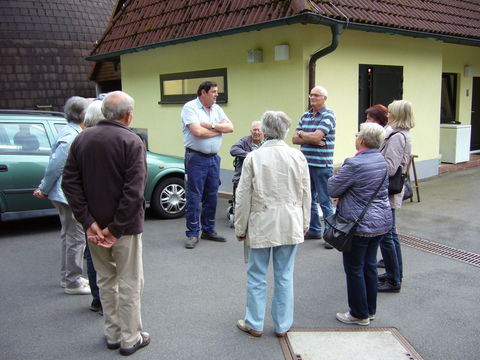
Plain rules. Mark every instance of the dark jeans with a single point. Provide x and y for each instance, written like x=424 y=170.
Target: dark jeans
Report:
x=392 y=254
x=360 y=266
x=202 y=183
x=92 y=274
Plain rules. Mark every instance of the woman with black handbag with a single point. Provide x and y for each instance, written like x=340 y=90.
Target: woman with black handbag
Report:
x=362 y=184
x=396 y=149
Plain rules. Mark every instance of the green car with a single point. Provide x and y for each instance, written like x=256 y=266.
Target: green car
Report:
x=26 y=138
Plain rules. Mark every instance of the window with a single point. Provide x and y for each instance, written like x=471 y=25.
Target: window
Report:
x=23 y=138
x=448 y=112
x=182 y=87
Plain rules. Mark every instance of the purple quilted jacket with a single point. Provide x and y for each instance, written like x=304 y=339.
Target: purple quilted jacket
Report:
x=355 y=183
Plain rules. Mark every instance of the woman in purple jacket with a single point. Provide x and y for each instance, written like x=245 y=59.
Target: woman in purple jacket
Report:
x=354 y=184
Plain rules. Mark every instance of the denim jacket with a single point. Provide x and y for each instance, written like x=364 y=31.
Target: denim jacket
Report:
x=355 y=183
x=52 y=180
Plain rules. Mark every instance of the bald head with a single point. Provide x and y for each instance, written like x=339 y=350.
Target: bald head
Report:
x=117 y=105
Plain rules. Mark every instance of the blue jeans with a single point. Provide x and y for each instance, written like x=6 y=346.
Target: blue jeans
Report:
x=202 y=176
x=392 y=254
x=360 y=266
x=92 y=274
x=318 y=182
x=282 y=302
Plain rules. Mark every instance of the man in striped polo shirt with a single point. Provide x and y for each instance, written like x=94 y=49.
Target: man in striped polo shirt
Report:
x=316 y=135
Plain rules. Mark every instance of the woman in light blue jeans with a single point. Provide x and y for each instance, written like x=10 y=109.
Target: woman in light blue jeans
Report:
x=272 y=213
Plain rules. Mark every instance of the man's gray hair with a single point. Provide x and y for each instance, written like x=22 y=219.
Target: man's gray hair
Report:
x=74 y=108
x=322 y=90
x=116 y=105
x=373 y=135
x=94 y=114
x=275 y=124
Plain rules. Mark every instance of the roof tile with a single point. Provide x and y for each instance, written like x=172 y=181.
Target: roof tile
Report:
x=148 y=22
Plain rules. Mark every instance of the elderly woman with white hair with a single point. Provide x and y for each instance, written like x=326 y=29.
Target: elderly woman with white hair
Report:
x=272 y=214
x=355 y=184
x=94 y=114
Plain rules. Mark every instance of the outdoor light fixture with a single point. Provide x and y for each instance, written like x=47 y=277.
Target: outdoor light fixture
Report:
x=255 y=56
x=468 y=71
x=282 y=52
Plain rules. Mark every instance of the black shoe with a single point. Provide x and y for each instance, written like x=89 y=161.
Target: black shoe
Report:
x=388 y=287
x=212 y=237
x=312 y=237
x=144 y=341
x=381 y=264
x=96 y=306
x=327 y=246
x=382 y=278
x=191 y=242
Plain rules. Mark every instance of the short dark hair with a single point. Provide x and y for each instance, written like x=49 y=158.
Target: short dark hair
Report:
x=206 y=85
x=379 y=113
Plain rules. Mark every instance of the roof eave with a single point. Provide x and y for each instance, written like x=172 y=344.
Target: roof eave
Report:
x=302 y=18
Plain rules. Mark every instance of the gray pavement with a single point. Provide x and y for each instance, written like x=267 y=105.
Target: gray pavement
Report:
x=193 y=298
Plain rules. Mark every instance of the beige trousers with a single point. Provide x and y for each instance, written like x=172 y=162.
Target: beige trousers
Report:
x=120 y=280
x=73 y=246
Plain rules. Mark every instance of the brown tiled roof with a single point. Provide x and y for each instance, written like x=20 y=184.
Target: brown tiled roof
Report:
x=43 y=45
x=149 y=23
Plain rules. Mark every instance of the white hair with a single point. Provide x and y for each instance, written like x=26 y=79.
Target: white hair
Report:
x=94 y=114
x=116 y=105
x=372 y=134
x=323 y=91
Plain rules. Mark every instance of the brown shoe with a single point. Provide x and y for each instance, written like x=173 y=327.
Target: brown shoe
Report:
x=281 y=335
x=191 y=242
x=242 y=326
x=212 y=236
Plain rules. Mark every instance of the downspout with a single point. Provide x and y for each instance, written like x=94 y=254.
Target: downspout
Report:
x=337 y=30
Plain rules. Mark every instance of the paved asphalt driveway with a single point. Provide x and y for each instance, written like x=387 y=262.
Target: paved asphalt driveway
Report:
x=193 y=298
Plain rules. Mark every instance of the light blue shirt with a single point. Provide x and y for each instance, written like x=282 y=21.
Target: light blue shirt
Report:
x=52 y=181
x=194 y=112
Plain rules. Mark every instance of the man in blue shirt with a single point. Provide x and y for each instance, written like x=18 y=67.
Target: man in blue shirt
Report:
x=316 y=135
x=203 y=123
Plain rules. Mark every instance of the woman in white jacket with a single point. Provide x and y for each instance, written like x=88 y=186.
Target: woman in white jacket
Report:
x=272 y=214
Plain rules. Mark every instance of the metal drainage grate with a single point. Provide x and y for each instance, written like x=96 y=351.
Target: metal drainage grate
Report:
x=440 y=249
x=346 y=344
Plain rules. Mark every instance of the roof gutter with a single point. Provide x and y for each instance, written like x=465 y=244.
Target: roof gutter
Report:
x=337 y=30
x=302 y=18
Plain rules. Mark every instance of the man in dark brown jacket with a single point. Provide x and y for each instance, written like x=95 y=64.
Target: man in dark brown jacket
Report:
x=104 y=181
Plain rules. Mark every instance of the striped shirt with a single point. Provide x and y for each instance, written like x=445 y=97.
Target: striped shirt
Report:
x=324 y=120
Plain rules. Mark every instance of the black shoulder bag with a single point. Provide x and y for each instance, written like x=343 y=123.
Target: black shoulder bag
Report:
x=397 y=181
x=341 y=230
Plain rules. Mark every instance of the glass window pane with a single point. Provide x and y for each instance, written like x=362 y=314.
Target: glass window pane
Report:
x=23 y=139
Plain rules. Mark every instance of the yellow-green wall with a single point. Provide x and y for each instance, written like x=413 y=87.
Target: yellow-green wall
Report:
x=282 y=85
x=455 y=58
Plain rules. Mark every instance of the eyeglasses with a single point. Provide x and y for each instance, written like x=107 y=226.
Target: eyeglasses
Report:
x=315 y=95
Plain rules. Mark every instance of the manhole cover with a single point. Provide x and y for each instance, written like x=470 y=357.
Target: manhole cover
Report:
x=347 y=344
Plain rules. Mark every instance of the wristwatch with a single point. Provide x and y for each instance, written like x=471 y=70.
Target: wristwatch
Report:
x=213 y=126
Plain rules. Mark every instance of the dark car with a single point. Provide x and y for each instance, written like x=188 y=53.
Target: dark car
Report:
x=26 y=138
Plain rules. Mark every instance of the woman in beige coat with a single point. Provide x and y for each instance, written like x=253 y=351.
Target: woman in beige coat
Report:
x=272 y=214
x=396 y=150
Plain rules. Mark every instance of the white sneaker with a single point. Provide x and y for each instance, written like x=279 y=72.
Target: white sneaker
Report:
x=82 y=280
x=83 y=289
x=347 y=318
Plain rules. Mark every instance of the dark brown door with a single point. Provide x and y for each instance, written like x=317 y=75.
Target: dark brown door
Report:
x=475 y=135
